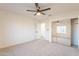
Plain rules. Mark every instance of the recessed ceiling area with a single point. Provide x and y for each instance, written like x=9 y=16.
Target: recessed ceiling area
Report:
x=57 y=9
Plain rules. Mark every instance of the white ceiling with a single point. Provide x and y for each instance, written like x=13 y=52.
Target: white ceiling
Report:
x=56 y=9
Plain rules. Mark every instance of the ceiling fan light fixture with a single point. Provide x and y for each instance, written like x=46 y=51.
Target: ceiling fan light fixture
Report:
x=38 y=13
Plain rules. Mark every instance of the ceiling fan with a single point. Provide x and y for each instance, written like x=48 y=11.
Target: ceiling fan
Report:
x=38 y=10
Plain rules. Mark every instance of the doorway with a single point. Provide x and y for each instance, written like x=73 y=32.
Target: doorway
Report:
x=74 y=31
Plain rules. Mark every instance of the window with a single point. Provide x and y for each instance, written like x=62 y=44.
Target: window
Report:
x=61 y=29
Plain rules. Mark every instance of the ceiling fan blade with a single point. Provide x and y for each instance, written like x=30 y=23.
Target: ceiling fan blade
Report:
x=43 y=13
x=46 y=9
x=31 y=10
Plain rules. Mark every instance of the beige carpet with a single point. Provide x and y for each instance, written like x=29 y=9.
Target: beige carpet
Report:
x=39 y=48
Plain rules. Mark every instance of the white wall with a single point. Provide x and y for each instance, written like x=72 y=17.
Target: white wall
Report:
x=15 y=29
